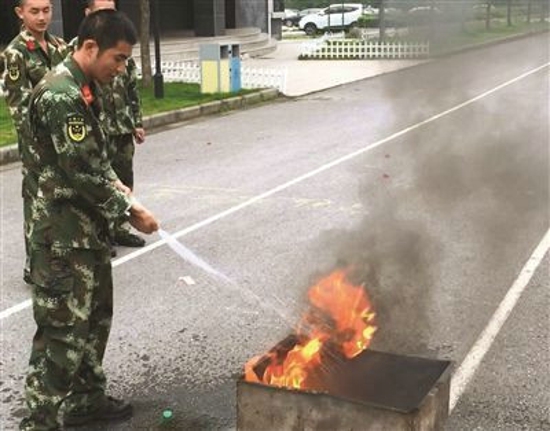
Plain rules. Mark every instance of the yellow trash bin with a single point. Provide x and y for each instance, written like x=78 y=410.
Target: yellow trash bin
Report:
x=215 y=68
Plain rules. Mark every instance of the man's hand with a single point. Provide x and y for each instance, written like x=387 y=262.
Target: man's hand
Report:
x=139 y=135
x=124 y=189
x=143 y=219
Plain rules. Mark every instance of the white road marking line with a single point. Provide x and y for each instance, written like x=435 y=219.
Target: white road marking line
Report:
x=15 y=309
x=253 y=200
x=473 y=359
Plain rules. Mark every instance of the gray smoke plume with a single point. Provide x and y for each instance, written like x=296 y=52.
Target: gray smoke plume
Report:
x=393 y=257
x=470 y=173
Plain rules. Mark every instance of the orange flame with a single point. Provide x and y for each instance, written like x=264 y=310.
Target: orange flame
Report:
x=340 y=315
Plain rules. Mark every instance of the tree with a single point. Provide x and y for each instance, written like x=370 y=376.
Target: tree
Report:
x=488 y=15
x=303 y=4
x=144 y=37
x=382 y=20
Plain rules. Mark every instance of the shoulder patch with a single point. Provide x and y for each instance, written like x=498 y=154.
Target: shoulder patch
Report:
x=13 y=71
x=76 y=128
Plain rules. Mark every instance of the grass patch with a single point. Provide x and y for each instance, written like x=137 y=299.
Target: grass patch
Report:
x=176 y=96
x=179 y=95
x=298 y=36
x=475 y=33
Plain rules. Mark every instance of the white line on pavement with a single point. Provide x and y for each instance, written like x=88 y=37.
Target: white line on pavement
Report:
x=130 y=256
x=15 y=309
x=473 y=359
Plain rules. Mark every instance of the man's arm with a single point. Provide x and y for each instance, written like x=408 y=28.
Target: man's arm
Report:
x=135 y=102
x=17 y=85
x=80 y=156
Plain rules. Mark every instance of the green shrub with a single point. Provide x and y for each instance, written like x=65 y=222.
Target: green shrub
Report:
x=368 y=21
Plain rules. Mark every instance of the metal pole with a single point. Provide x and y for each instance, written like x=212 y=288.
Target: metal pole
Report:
x=158 y=80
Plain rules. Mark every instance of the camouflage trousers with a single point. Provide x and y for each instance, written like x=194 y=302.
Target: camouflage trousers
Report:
x=73 y=306
x=28 y=190
x=121 y=155
x=27 y=217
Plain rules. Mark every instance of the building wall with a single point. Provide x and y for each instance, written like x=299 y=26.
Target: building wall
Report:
x=252 y=13
x=206 y=17
x=73 y=14
x=209 y=17
x=174 y=15
x=56 y=27
x=9 y=25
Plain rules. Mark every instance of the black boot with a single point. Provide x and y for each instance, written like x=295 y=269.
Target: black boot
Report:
x=112 y=248
x=108 y=410
x=128 y=239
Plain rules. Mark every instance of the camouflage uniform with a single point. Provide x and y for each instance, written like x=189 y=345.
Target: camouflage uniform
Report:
x=70 y=262
x=120 y=117
x=25 y=63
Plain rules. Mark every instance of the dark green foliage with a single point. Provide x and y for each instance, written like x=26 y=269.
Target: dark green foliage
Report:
x=304 y=4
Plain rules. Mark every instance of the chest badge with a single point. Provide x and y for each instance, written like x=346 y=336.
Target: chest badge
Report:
x=76 y=128
x=13 y=72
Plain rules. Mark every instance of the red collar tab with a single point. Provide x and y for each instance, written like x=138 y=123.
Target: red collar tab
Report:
x=87 y=94
x=31 y=46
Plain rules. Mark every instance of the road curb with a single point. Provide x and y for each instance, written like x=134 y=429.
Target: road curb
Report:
x=474 y=46
x=10 y=154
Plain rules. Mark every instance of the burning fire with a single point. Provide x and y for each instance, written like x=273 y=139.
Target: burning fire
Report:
x=339 y=324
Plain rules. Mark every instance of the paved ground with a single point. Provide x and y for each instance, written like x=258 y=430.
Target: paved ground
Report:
x=434 y=179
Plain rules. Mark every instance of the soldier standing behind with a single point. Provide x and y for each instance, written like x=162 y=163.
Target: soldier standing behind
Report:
x=122 y=121
x=28 y=57
x=77 y=197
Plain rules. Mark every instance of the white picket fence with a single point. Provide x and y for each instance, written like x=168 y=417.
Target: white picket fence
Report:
x=251 y=77
x=363 y=49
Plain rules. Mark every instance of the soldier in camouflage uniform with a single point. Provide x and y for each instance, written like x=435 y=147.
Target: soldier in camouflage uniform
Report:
x=26 y=60
x=122 y=121
x=77 y=195
x=121 y=117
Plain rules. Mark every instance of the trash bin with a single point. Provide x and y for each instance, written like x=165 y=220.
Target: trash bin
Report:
x=235 y=68
x=214 y=60
x=220 y=68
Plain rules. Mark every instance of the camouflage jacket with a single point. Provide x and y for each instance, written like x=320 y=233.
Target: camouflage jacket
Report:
x=67 y=156
x=25 y=63
x=121 y=104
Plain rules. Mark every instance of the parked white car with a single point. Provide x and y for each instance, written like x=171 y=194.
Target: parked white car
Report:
x=311 y=10
x=336 y=16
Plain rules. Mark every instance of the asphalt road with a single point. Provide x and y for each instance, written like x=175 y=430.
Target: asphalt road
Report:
x=433 y=181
